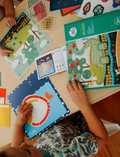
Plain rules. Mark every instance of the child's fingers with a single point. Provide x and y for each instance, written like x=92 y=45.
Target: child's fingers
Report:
x=11 y=22
x=14 y=22
x=79 y=85
x=70 y=86
x=7 y=51
x=25 y=107
x=28 y=115
x=75 y=84
x=21 y=106
x=28 y=110
x=8 y=23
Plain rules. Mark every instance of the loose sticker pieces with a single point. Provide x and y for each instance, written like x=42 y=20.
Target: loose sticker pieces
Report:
x=47 y=23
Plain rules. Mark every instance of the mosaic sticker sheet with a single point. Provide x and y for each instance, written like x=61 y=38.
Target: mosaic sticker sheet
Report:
x=32 y=3
x=27 y=42
x=47 y=23
x=60 y=4
x=40 y=11
x=93 y=8
x=48 y=106
x=52 y=62
x=93 y=52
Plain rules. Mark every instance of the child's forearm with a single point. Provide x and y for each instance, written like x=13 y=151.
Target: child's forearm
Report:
x=9 y=7
x=18 y=136
x=95 y=125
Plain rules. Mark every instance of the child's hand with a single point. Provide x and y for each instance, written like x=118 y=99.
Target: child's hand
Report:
x=77 y=94
x=10 y=20
x=4 y=51
x=24 y=112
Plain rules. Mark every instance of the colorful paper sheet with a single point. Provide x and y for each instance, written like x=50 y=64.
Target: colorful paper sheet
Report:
x=0 y=79
x=48 y=107
x=27 y=42
x=5 y=115
x=93 y=50
x=52 y=62
x=60 y=4
x=2 y=95
x=68 y=10
x=93 y=8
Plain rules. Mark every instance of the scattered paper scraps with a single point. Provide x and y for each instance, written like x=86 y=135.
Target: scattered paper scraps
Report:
x=47 y=23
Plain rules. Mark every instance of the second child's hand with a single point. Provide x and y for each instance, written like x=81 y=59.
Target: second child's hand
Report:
x=4 y=52
x=10 y=20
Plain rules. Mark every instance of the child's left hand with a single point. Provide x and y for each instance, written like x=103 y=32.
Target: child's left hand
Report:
x=10 y=20
x=24 y=112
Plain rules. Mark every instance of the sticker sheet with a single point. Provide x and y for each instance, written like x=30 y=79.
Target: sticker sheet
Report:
x=96 y=7
x=27 y=42
x=48 y=106
x=32 y=3
x=60 y=4
x=52 y=62
x=93 y=53
x=40 y=11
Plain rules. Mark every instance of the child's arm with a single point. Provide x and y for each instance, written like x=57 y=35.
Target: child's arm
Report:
x=4 y=51
x=9 y=12
x=24 y=112
x=95 y=125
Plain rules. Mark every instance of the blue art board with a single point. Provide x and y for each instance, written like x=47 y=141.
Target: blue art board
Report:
x=33 y=86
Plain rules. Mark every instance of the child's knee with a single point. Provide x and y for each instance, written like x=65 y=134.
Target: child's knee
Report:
x=2 y=13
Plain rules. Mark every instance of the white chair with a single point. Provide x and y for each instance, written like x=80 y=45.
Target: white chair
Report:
x=111 y=128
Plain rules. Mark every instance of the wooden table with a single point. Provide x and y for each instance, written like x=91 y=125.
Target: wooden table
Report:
x=10 y=82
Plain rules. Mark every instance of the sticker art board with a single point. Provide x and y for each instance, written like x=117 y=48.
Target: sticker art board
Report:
x=48 y=106
x=52 y=62
x=97 y=7
x=93 y=51
x=27 y=42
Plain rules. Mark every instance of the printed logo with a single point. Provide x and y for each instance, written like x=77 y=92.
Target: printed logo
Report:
x=73 y=32
x=117 y=20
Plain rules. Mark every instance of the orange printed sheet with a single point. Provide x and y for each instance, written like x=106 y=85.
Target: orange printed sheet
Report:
x=2 y=95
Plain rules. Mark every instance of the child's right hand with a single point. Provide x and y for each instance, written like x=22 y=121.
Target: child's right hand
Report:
x=77 y=94
x=10 y=20
x=4 y=51
x=23 y=113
